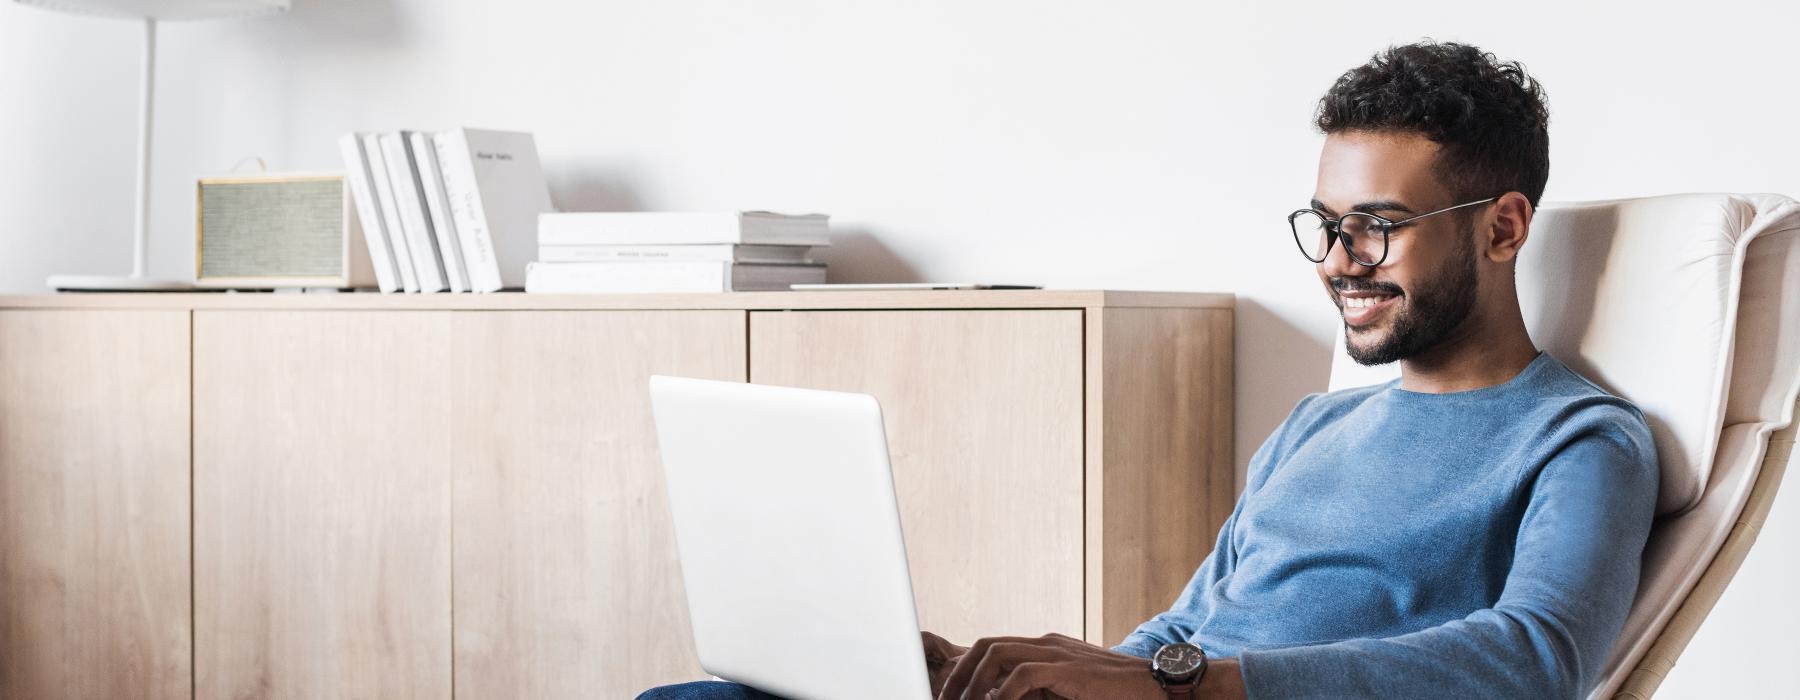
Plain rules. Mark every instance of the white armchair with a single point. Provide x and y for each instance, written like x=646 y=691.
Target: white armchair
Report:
x=1689 y=305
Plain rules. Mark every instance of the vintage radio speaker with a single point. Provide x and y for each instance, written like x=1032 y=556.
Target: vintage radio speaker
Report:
x=267 y=231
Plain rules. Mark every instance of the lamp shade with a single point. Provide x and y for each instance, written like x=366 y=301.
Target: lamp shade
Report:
x=165 y=9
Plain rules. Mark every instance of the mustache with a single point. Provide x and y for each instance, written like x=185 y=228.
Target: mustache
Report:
x=1345 y=284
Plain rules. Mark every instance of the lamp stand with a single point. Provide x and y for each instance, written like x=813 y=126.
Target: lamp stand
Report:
x=138 y=281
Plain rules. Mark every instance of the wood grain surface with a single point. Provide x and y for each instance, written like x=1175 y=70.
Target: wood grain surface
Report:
x=983 y=411
x=1160 y=472
x=94 y=578
x=322 y=504
x=567 y=583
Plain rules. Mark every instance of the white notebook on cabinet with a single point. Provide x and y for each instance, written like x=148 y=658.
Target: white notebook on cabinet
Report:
x=381 y=256
x=443 y=226
x=390 y=217
x=404 y=181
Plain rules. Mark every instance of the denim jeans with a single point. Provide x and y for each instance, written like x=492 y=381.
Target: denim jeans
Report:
x=706 y=690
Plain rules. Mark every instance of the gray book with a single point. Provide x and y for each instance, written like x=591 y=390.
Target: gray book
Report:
x=495 y=188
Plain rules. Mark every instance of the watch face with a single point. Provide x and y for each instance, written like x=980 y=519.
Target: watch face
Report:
x=1178 y=659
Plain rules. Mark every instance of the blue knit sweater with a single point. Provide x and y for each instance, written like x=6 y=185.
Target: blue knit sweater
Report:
x=1392 y=543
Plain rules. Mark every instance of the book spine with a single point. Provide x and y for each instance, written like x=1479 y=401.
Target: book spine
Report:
x=466 y=211
x=356 y=165
x=776 y=229
x=725 y=252
x=628 y=277
x=390 y=216
x=403 y=175
x=432 y=184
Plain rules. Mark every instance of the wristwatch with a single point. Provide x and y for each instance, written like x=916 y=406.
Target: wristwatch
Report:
x=1177 y=668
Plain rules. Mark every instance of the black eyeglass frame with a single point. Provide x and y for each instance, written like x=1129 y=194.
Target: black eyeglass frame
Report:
x=1382 y=225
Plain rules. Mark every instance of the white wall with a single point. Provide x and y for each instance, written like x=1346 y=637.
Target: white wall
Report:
x=1129 y=145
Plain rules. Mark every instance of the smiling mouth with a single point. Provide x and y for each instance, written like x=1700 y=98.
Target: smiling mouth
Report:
x=1363 y=309
x=1360 y=302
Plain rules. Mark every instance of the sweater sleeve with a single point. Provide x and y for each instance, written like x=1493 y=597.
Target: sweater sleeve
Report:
x=1575 y=570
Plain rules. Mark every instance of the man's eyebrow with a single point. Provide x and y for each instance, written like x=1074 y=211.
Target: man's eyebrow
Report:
x=1368 y=207
x=1381 y=206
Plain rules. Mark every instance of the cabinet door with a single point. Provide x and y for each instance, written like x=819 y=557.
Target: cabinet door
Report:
x=322 y=504
x=983 y=411
x=567 y=582
x=94 y=505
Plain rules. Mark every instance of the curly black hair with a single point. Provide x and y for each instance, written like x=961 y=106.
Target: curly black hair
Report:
x=1487 y=115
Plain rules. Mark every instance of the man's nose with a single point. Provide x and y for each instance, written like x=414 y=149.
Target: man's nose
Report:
x=1338 y=263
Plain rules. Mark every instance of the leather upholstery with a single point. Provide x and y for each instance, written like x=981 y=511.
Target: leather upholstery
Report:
x=1689 y=305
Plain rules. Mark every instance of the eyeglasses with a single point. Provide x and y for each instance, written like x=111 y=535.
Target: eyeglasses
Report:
x=1365 y=236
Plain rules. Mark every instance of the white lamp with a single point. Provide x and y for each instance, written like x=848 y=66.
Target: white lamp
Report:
x=150 y=11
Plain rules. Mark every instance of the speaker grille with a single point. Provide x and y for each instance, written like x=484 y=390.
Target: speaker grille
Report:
x=291 y=228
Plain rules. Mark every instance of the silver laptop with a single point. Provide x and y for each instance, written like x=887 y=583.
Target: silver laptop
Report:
x=789 y=538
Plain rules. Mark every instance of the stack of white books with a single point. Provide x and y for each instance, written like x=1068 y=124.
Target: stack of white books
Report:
x=622 y=252
x=452 y=211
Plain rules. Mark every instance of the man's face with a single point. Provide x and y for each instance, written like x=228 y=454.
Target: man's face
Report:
x=1427 y=287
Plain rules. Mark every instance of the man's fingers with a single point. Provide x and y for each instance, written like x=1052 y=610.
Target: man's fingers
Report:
x=935 y=659
x=1026 y=680
x=1001 y=659
x=958 y=681
x=938 y=649
x=937 y=674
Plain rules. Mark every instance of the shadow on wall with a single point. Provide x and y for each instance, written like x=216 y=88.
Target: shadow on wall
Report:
x=856 y=255
x=1278 y=363
x=590 y=186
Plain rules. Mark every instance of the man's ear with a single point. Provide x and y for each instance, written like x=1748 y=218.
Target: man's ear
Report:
x=1511 y=226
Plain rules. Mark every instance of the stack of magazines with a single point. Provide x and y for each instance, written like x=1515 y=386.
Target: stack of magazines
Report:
x=452 y=211
x=615 y=252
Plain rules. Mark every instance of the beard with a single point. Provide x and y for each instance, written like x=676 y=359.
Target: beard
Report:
x=1431 y=313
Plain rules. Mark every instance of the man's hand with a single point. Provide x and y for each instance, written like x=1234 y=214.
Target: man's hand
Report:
x=1053 y=665
x=940 y=657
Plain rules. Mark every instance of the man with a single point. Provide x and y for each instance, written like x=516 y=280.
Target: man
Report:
x=1471 y=529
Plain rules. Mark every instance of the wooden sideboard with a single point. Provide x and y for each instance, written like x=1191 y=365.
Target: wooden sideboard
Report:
x=399 y=496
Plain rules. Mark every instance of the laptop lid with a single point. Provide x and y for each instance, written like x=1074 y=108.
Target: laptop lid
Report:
x=789 y=539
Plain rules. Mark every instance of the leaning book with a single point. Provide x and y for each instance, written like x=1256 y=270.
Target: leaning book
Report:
x=381 y=255
x=383 y=190
x=495 y=189
x=403 y=182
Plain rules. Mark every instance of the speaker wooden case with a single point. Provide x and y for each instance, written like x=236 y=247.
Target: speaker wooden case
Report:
x=276 y=230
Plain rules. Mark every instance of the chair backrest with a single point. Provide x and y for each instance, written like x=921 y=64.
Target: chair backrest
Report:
x=1688 y=306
